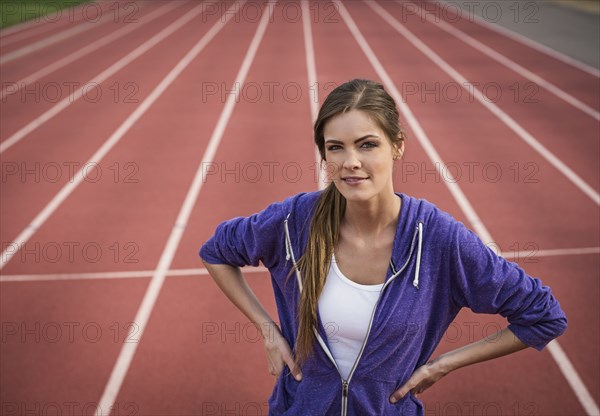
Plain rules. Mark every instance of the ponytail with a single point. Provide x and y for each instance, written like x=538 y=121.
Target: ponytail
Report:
x=314 y=265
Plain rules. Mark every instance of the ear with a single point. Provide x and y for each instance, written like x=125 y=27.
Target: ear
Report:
x=398 y=149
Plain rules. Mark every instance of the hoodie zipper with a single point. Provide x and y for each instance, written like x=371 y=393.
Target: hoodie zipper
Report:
x=344 y=396
x=346 y=383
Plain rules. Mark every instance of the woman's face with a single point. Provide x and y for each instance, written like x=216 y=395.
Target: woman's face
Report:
x=355 y=147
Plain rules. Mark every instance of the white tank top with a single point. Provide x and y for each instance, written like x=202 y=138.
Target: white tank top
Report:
x=345 y=309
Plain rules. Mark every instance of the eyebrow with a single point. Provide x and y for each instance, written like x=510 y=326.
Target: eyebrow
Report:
x=355 y=141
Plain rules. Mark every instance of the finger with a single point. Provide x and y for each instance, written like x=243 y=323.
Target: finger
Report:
x=400 y=393
x=275 y=365
x=292 y=366
x=273 y=369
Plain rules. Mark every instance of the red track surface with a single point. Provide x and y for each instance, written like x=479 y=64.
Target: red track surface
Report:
x=198 y=354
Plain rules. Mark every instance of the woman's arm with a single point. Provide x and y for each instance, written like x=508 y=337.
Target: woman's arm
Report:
x=232 y=283
x=501 y=343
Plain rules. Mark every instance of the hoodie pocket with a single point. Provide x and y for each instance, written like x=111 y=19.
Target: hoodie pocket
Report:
x=371 y=396
x=283 y=393
x=315 y=395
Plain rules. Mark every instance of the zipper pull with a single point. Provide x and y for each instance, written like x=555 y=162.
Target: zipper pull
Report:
x=345 y=388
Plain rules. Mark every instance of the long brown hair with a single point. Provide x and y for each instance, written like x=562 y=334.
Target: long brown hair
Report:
x=357 y=94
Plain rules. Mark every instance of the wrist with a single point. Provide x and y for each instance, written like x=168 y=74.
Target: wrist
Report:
x=441 y=365
x=268 y=331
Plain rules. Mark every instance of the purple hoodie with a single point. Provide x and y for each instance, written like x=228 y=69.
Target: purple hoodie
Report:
x=437 y=267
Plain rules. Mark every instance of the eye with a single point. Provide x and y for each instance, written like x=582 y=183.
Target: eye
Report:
x=370 y=144
x=333 y=147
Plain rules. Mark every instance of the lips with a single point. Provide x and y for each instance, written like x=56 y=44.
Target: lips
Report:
x=354 y=179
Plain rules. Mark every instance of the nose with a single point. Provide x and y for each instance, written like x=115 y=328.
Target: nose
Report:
x=351 y=161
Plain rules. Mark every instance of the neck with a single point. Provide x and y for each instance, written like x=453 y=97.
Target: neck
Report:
x=373 y=217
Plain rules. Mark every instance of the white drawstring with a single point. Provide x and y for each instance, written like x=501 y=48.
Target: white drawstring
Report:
x=289 y=252
x=418 y=265
x=287 y=247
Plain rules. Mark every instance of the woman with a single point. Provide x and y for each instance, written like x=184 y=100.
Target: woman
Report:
x=378 y=276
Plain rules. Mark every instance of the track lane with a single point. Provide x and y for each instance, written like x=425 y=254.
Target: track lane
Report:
x=43 y=27
x=30 y=194
x=11 y=88
x=508 y=63
x=20 y=107
x=573 y=136
x=59 y=340
x=577 y=287
x=60 y=41
x=564 y=75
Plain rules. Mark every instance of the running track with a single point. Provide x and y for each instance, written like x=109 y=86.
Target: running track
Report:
x=141 y=101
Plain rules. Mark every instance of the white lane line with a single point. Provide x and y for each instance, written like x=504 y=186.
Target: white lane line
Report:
x=201 y=271
x=75 y=276
x=312 y=83
x=527 y=254
x=532 y=44
x=135 y=274
x=11 y=88
x=47 y=23
x=523 y=254
x=143 y=314
x=504 y=60
x=204 y=272
x=51 y=40
x=98 y=79
x=563 y=362
x=493 y=108
x=14 y=247
x=449 y=180
x=566 y=367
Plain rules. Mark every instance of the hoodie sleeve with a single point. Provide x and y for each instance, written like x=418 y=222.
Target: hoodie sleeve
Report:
x=488 y=283
x=243 y=241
